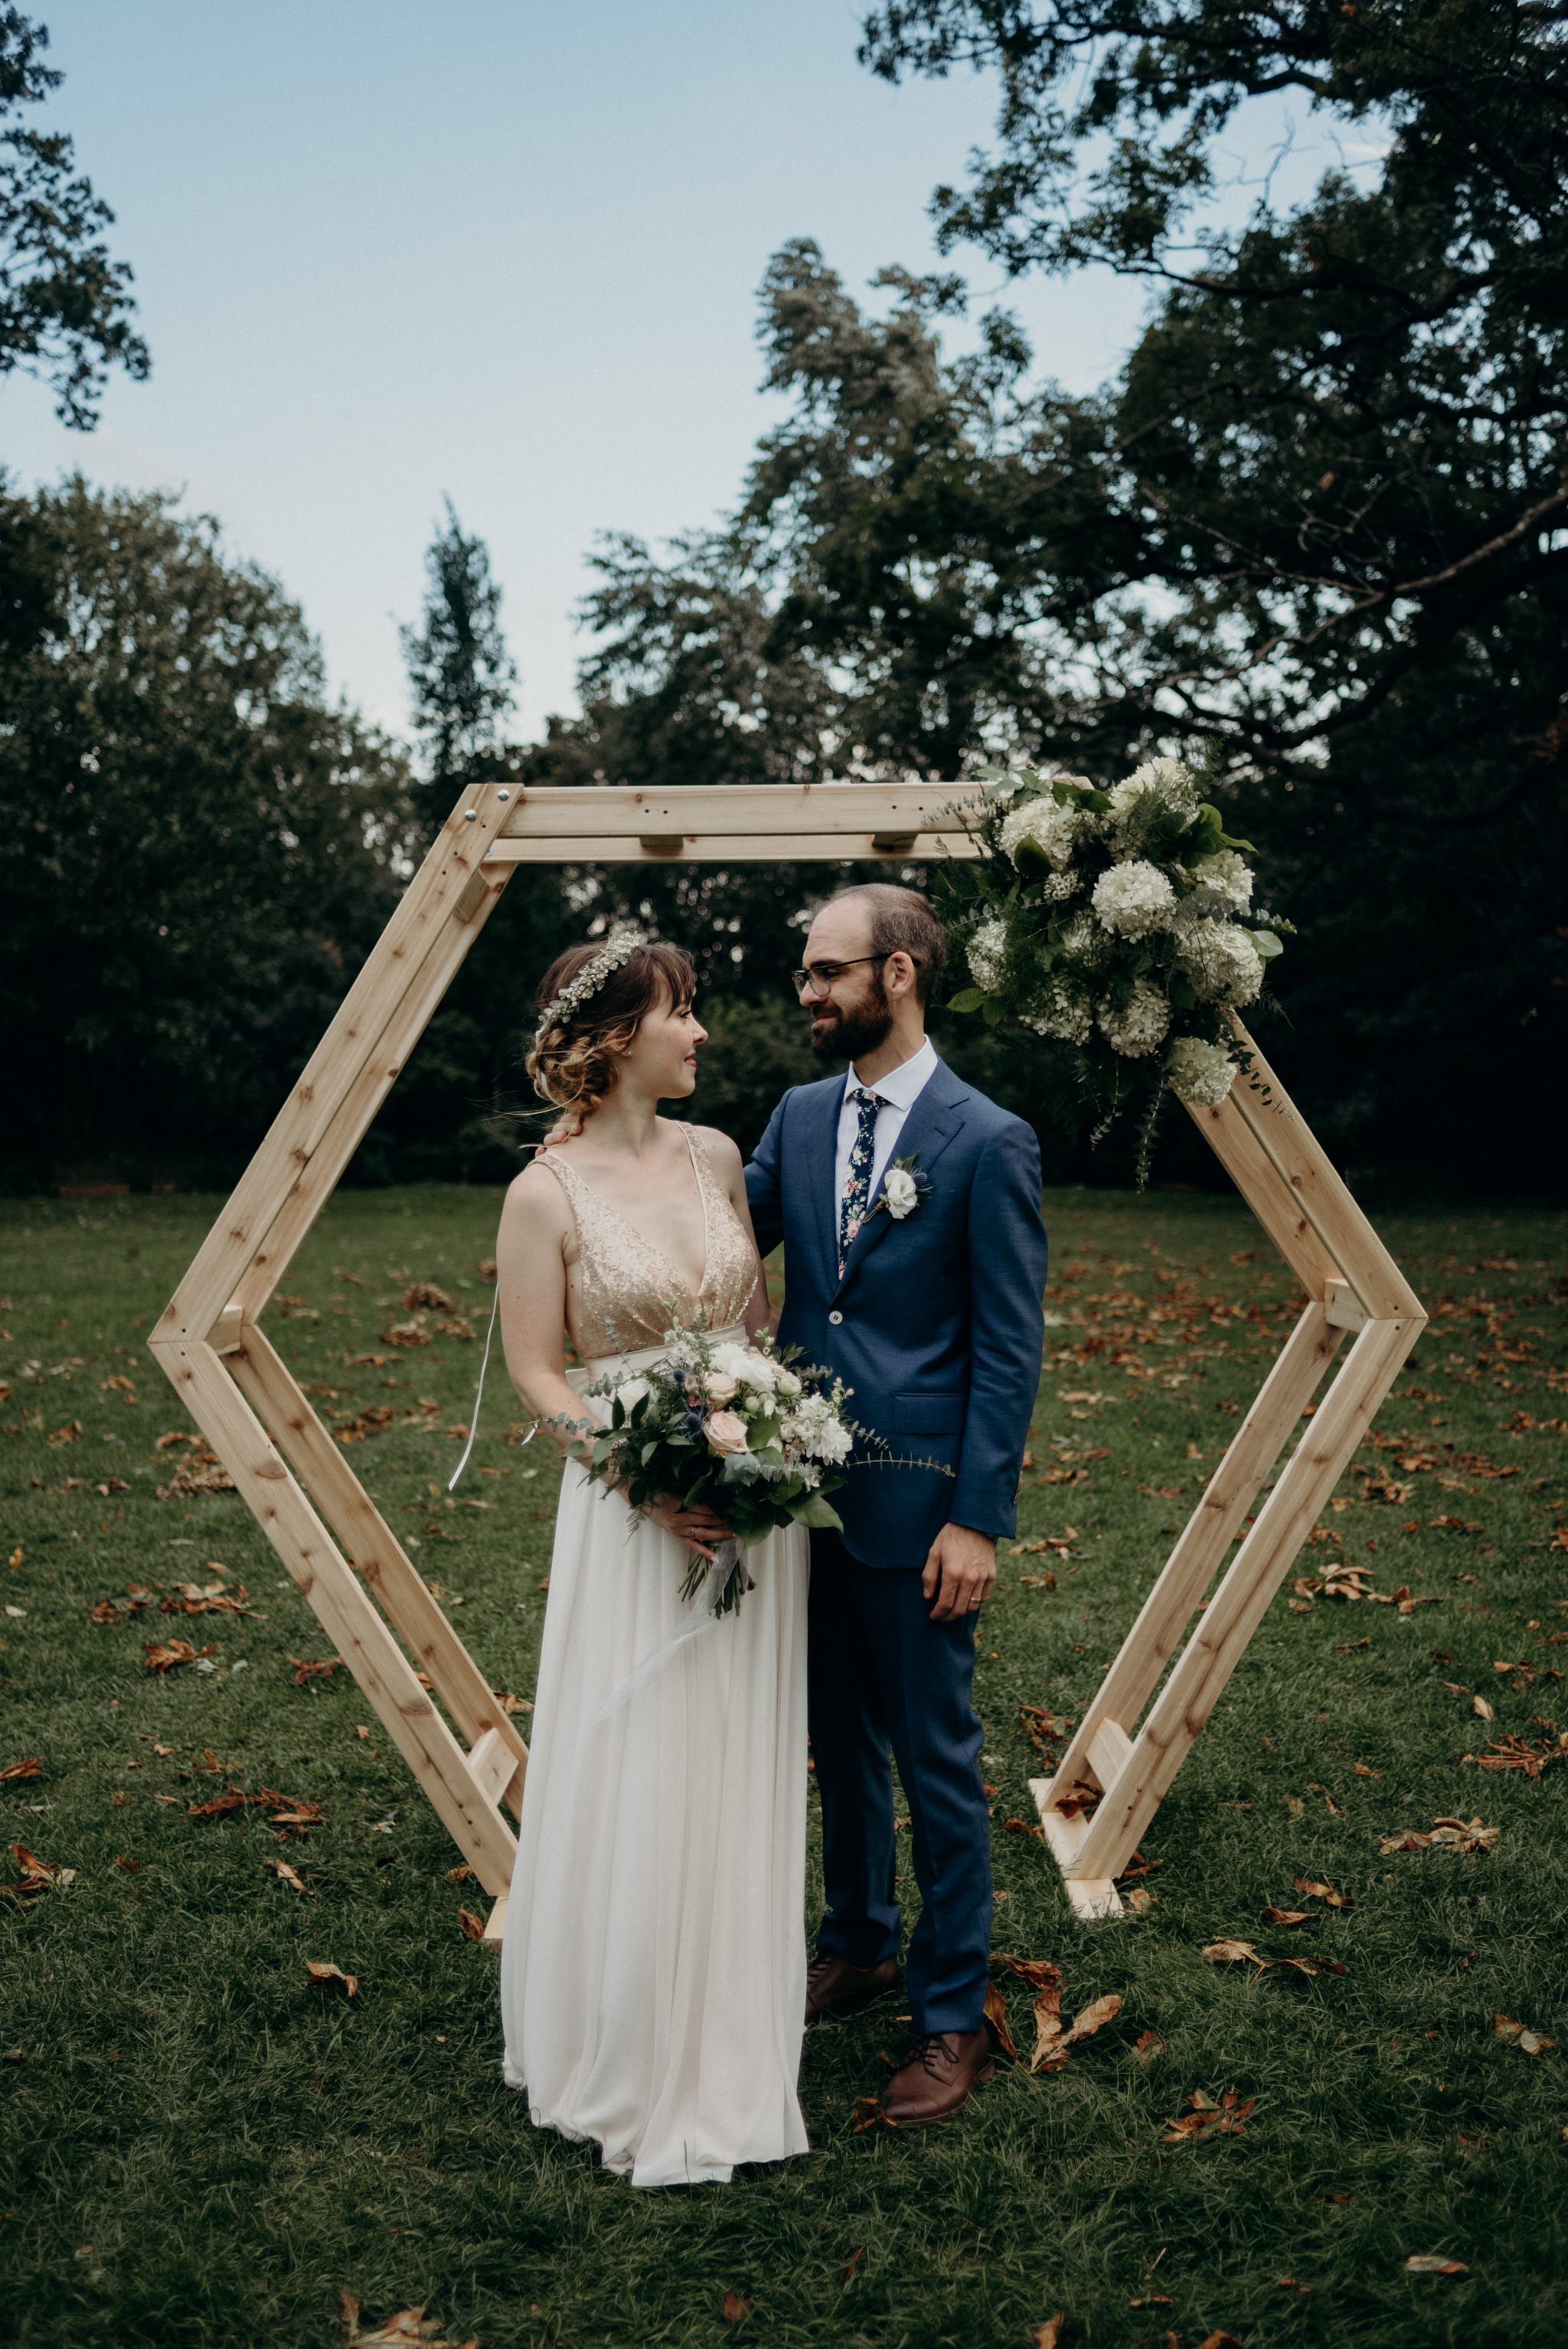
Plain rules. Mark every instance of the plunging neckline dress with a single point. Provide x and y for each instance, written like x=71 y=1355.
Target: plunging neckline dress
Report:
x=654 y=1966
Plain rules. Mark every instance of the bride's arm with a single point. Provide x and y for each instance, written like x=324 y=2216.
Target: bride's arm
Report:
x=759 y=1317
x=536 y=1231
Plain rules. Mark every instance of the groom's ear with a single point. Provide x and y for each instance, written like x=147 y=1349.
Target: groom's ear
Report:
x=898 y=972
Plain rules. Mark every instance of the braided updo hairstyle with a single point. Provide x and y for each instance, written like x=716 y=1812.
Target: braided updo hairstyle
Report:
x=575 y=1064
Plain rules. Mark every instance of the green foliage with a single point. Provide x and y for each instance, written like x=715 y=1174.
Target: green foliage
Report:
x=459 y=668
x=65 y=306
x=199 y=2151
x=195 y=852
x=1313 y=530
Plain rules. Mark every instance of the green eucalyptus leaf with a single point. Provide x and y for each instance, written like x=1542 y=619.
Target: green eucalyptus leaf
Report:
x=968 y=998
x=1267 y=944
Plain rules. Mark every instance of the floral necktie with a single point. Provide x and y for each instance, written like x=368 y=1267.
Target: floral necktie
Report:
x=858 y=1179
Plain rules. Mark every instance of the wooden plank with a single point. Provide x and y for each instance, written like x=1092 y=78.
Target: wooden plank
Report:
x=495 y=1765
x=1208 y=1534
x=729 y=848
x=776 y=810
x=1108 y=1747
x=495 y=1925
x=1256 y=1177
x=1343 y=1310
x=1090 y=1897
x=364 y=1641
x=373 y=1549
x=1312 y=1179
x=457 y=851
x=318 y=1177
x=1219 y=1640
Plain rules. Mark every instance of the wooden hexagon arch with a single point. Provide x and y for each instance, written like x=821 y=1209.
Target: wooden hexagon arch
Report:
x=371 y=1600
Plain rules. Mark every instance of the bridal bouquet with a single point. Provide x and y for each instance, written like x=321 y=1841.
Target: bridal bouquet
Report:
x=1118 y=922
x=739 y=1428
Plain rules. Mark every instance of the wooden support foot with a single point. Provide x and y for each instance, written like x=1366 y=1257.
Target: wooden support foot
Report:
x=495 y=1925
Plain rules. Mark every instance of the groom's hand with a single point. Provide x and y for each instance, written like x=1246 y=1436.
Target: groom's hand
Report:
x=959 y=1572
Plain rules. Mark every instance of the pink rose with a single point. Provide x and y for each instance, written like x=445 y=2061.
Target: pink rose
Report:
x=719 y=1388
x=727 y=1432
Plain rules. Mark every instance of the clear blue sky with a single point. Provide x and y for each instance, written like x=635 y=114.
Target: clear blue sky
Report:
x=500 y=249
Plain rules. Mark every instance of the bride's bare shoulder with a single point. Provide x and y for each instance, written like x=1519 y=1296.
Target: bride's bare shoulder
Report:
x=724 y=1156
x=535 y=1201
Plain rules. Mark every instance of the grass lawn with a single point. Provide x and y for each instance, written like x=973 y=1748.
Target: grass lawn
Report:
x=199 y=2147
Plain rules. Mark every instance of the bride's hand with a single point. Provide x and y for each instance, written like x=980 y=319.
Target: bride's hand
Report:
x=698 y=1527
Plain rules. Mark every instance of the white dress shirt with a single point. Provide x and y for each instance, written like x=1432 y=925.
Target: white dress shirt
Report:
x=898 y=1091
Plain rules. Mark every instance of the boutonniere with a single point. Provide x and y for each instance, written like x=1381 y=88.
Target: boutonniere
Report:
x=904 y=1188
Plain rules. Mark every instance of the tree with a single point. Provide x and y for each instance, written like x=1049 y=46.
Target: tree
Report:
x=459 y=665
x=1314 y=529
x=64 y=307
x=196 y=852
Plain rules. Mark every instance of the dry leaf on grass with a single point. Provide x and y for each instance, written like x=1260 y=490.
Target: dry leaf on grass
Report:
x=1046 y=2335
x=308 y=1668
x=1321 y=1891
x=37 y=1875
x=1221 y=2340
x=286 y=1875
x=1153 y=2300
x=735 y=2306
x=324 y=1975
x=1147 y=2046
x=31 y=1768
x=997 y=2016
x=1514 y=2035
x=1290 y=1917
x=1232 y=1953
x=473 y=1927
x=1481 y=1710
x=1434 y=2263
x=162 y=1655
x=1226 y=2117
x=852 y=2262
x=409 y=2325
x=1447 y=1835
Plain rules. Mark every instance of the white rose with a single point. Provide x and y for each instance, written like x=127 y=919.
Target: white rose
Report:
x=900 y=1191
x=730 y=1360
x=757 y=1370
x=789 y=1384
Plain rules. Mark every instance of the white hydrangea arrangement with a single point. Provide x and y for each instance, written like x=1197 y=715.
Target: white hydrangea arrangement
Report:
x=1118 y=922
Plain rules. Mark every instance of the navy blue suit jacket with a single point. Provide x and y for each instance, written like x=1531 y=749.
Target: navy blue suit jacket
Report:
x=936 y=1324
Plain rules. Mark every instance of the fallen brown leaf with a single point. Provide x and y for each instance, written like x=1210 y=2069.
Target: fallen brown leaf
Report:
x=323 y=1974
x=1514 y=2035
x=735 y=2306
x=1448 y=1835
x=1147 y=2046
x=997 y=2016
x=162 y=1655
x=1231 y=1953
x=32 y=1768
x=286 y=1875
x=1153 y=2300
x=852 y=2262
x=1434 y=2265
x=1046 y=2335
x=409 y=2325
x=1290 y=1917
x=1321 y=1891
x=1220 y=2340
x=473 y=1927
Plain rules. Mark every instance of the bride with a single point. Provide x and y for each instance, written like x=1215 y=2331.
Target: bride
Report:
x=654 y=1966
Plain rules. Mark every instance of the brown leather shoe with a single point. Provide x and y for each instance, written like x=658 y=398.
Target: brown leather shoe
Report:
x=936 y=2076
x=834 y=1986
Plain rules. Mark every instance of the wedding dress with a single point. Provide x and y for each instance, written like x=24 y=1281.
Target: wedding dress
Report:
x=654 y=1966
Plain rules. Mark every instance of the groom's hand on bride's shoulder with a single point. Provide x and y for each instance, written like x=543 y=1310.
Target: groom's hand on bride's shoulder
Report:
x=960 y=1570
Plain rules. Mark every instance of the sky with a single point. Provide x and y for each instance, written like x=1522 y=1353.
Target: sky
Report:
x=502 y=251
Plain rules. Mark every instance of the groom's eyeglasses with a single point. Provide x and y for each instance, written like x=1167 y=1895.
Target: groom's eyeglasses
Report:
x=820 y=979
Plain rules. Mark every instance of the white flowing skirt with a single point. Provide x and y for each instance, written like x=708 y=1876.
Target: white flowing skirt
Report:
x=653 y=1976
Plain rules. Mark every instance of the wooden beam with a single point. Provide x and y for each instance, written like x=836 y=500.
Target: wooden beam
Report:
x=1211 y=1654
x=1256 y=1177
x=1214 y=1523
x=336 y=1065
x=373 y=1549
x=777 y=811
x=730 y=848
x=439 y=1765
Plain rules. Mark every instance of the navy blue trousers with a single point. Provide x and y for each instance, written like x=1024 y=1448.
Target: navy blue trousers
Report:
x=882 y=1674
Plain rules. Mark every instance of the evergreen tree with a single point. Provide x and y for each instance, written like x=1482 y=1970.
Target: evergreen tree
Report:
x=462 y=675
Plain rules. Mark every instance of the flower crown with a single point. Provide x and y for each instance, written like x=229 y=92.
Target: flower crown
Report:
x=588 y=981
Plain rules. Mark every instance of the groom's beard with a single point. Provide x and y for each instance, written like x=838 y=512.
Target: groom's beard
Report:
x=848 y=1035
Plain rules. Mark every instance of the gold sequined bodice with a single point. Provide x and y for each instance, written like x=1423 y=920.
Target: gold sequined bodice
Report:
x=625 y=1286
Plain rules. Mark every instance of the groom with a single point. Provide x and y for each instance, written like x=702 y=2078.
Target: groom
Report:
x=932 y=1314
